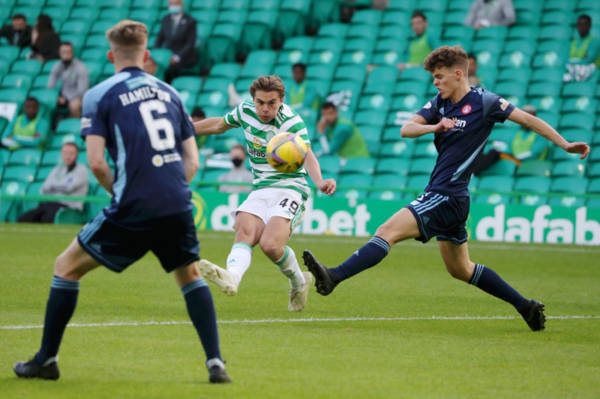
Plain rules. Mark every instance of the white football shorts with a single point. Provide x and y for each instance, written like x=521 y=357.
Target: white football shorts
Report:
x=268 y=202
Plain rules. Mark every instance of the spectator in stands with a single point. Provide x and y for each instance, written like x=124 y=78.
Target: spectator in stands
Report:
x=300 y=93
x=474 y=80
x=178 y=34
x=150 y=66
x=74 y=77
x=525 y=145
x=339 y=135
x=584 y=56
x=70 y=178
x=28 y=129
x=484 y=13
x=421 y=44
x=44 y=40
x=18 y=33
x=238 y=174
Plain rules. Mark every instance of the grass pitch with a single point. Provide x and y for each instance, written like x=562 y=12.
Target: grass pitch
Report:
x=372 y=338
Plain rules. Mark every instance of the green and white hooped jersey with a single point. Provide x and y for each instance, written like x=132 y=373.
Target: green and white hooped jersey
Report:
x=258 y=134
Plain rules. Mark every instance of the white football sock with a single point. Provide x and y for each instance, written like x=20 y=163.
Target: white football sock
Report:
x=238 y=260
x=288 y=265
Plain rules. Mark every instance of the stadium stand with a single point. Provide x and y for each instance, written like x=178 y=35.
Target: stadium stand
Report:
x=353 y=63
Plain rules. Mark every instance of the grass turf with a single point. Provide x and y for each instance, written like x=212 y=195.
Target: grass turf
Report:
x=413 y=358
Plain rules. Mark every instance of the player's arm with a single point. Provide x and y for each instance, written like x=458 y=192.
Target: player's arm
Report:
x=215 y=125
x=417 y=126
x=313 y=168
x=536 y=124
x=95 y=155
x=189 y=154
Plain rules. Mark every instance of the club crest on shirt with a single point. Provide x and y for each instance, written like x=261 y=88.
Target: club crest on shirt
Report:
x=466 y=109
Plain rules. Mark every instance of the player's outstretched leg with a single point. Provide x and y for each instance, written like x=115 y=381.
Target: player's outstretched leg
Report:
x=201 y=310
x=531 y=310
x=238 y=260
x=369 y=255
x=299 y=282
x=221 y=277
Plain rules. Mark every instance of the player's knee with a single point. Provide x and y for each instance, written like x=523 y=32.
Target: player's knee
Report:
x=63 y=269
x=271 y=248
x=459 y=272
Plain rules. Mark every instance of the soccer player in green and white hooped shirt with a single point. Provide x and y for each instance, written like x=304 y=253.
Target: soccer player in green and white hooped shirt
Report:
x=269 y=214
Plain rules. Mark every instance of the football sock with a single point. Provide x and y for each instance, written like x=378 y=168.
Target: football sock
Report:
x=487 y=280
x=59 y=309
x=202 y=312
x=288 y=265
x=238 y=260
x=369 y=255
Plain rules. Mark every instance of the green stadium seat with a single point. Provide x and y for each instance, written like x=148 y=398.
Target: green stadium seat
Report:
x=69 y=126
x=425 y=149
x=347 y=93
x=51 y=158
x=330 y=57
x=20 y=173
x=17 y=81
x=28 y=67
x=93 y=54
x=547 y=75
x=393 y=166
x=594 y=154
x=387 y=185
x=515 y=59
x=346 y=184
x=234 y=4
x=28 y=157
x=228 y=70
x=187 y=83
x=559 y=5
x=583 y=121
x=534 y=168
x=336 y=30
x=571 y=186
x=459 y=32
x=9 y=53
x=396 y=149
x=359 y=166
x=101 y=26
x=415 y=74
x=33 y=189
x=350 y=72
x=517 y=75
x=397 y=32
x=324 y=11
x=149 y=15
x=284 y=71
x=324 y=72
x=77 y=27
x=212 y=99
x=383 y=74
x=88 y=14
x=388 y=51
x=549 y=59
x=594 y=170
x=9 y=209
x=379 y=102
x=535 y=186
x=510 y=89
x=501 y=168
x=578 y=89
x=64 y=4
x=575 y=168
x=498 y=33
x=13 y=95
x=543 y=89
x=554 y=32
x=409 y=102
x=561 y=17
x=367 y=32
x=330 y=164
x=369 y=117
x=162 y=56
x=395 y=17
x=99 y=40
x=579 y=105
x=357 y=51
x=497 y=184
x=417 y=184
x=259 y=57
x=421 y=166
x=367 y=17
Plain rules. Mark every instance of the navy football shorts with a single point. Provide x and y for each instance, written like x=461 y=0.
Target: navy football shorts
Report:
x=171 y=238
x=441 y=216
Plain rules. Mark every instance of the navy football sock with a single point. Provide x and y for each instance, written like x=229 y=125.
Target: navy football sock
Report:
x=202 y=312
x=369 y=255
x=487 y=280
x=59 y=309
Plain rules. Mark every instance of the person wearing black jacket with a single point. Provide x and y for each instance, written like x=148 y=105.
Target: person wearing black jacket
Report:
x=18 y=33
x=44 y=40
x=178 y=34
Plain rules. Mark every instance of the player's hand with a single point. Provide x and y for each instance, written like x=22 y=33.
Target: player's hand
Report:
x=444 y=125
x=321 y=126
x=578 y=148
x=327 y=186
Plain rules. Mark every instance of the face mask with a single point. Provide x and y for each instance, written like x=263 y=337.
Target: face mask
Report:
x=237 y=162
x=67 y=63
x=175 y=9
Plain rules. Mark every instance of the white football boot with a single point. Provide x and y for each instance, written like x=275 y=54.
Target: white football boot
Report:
x=219 y=276
x=299 y=296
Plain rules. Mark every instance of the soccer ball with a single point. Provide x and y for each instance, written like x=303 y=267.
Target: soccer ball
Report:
x=286 y=152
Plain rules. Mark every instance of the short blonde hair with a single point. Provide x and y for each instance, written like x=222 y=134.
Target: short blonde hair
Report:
x=447 y=56
x=268 y=83
x=128 y=35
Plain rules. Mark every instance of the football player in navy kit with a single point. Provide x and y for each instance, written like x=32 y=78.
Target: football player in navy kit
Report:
x=461 y=118
x=142 y=123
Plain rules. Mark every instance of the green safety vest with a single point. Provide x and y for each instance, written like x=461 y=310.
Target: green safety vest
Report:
x=27 y=129
x=419 y=49
x=297 y=92
x=579 y=49
x=355 y=146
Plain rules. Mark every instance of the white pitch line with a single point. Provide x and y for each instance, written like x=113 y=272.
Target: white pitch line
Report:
x=301 y=320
